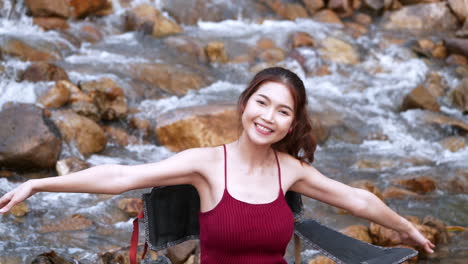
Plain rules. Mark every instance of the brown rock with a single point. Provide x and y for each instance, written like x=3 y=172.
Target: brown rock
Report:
x=289 y=11
x=52 y=258
x=90 y=33
x=20 y=209
x=86 y=109
x=338 y=51
x=76 y=95
x=355 y=29
x=142 y=125
x=327 y=16
x=75 y=222
x=362 y=18
x=46 y=8
x=6 y=173
x=421 y=98
x=131 y=206
x=439 y=51
x=397 y=193
x=342 y=7
x=457 y=59
x=321 y=260
x=198 y=127
x=320 y=131
x=302 y=39
x=321 y=71
x=426 y=44
x=187 y=45
x=370 y=164
x=313 y=5
x=420 y=184
x=48 y=23
x=120 y=136
x=150 y=20
x=69 y=165
x=459 y=96
x=57 y=96
x=265 y=43
x=181 y=252
x=423 y=17
x=368 y=186
x=272 y=55
x=359 y=232
x=43 y=71
x=434 y=84
x=453 y=143
x=25 y=52
x=457 y=45
x=440 y=119
x=441 y=236
x=83 y=132
x=82 y=8
x=375 y=5
x=215 y=52
x=457 y=183
x=460 y=8
x=27 y=138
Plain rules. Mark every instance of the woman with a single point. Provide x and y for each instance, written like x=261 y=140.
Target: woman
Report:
x=242 y=184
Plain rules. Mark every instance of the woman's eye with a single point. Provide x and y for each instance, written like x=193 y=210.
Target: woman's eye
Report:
x=260 y=102
x=284 y=112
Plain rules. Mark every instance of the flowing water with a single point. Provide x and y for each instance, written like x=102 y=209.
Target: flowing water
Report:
x=364 y=100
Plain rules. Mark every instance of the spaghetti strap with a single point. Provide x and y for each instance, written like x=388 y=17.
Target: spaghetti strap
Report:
x=279 y=169
x=225 y=167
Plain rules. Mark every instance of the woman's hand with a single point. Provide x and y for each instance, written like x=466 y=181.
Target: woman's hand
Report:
x=414 y=237
x=15 y=196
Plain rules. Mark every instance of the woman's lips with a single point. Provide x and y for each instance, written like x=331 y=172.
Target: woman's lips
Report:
x=263 y=129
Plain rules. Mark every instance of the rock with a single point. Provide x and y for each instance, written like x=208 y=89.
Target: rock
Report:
x=215 y=52
x=265 y=43
x=453 y=143
x=327 y=16
x=120 y=136
x=51 y=23
x=457 y=59
x=27 y=138
x=272 y=55
x=375 y=5
x=88 y=136
x=43 y=71
x=45 y=8
x=377 y=165
x=25 y=52
x=362 y=18
x=171 y=79
x=457 y=45
x=75 y=222
x=422 y=17
x=20 y=209
x=150 y=20
x=131 y=206
x=6 y=173
x=359 y=232
x=456 y=183
x=313 y=5
x=459 y=97
x=368 y=186
x=397 y=193
x=439 y=52
x=300 y=39
x=442 y=236
x=57 y=96
x=69 y=165
x=355 y=29
x=108 y=97
x=338 y=51
x=421 y=98
x=320 y=131
x=180 y=253
x=198 y=127
x=90 y=33
x=86 y=109
x=82 y=8
x=143 y=126
x=440 y=119
x=187 y=45
x=342 y=7
x=460 y=8
x=289 y=11
x=52 y=258
x=420 y=185
x=321 y=260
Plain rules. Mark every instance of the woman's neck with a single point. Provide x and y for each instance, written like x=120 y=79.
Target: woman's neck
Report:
x=252 y=154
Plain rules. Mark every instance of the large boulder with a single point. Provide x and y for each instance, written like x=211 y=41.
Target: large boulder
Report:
x=193 y=127
x=421 y=98
x=339 y=51
x=27 y=138
x=25 y=52
x=83 y=132
x=43 y=71
x=151 y=21
x=313 y=5
x=422 y=17
x=460 y=8
x=42 y=8
x=83 y=8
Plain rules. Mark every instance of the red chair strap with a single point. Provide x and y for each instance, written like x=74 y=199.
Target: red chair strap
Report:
x=134 y=240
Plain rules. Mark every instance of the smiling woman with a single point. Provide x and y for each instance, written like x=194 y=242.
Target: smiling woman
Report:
x=244 y=216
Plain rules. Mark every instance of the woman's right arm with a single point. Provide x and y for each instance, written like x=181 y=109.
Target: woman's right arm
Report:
x=182 y=168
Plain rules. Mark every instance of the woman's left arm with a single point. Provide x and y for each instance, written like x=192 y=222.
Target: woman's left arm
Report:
x=357 y=201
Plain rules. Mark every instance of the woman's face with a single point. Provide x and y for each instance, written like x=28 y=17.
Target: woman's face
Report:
x=269 y=113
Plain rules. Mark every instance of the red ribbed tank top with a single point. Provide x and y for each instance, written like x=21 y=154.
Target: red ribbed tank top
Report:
x=237 y=232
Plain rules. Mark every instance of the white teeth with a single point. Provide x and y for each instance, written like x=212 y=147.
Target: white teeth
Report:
x=264 y=128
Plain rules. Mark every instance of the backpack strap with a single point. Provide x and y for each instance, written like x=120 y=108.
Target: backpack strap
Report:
x=134 y=241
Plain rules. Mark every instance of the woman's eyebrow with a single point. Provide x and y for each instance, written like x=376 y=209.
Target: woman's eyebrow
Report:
x=281 y=105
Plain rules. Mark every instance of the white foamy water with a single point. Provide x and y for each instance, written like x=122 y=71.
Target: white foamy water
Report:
x=12 y=91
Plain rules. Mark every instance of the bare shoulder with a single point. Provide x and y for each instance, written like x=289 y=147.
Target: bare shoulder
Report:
x=204 y=157
x=293 y=169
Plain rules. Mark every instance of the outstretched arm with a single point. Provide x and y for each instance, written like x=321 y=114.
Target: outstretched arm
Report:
x=357 y=201
x=182 y=168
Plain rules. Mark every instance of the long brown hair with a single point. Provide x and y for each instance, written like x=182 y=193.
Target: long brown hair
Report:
x=300 y=143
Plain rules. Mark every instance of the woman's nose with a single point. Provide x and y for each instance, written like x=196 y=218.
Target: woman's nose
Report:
x=268 y=114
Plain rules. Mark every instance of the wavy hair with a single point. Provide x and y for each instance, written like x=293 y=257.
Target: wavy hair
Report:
x=300 y=143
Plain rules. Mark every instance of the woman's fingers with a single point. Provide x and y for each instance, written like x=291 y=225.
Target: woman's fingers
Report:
x=6 y=202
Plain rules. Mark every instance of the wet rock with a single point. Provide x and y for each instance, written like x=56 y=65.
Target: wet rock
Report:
x=265 y=43
x=86 y=109
x=327 y=16
x=313 y=5
x=43 y=71
x=342 y=7
x=272 y=55
x=440 y=119
x=180 y=253
x=460 y=8
x=44 y=8
x=457 y=45
x=187 y=45
x=6 y=173
x=120 y=136
x=397 y=193
x=25 y=52
x=456 y=59
x=143 y=126
x=69 y=165
x=300 y=39
x=453 y=143
x=356 y=30
x=215 y=52
x=421 y=98
x=320 y=131
x=131 y=206
x=374 y=164
x=82 y=8
x=459 y=97
x=442 y=236
x=362 y=18
x=198 y=127
x=108 y=97
x=422 y=17
x=75 y=222
x=50 y=23
x=27 y=138
x=359 y=232
x=420 y=185
x=52 y=258
x=90 y=33
x=57 y=96
x=338 y=51
x=321 y=260
x=83 y=132
x=375 y=5
x=150 y=20
x=456 y=183
x=170 y=79
x=20 y=209
x=368 y=186
x=289 y=11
